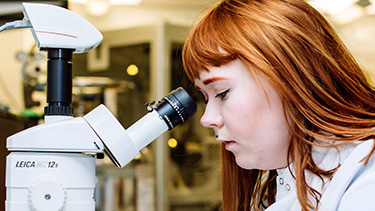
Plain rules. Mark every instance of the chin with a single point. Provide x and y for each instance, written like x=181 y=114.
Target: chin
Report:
x=246 y=164
x=251 y=165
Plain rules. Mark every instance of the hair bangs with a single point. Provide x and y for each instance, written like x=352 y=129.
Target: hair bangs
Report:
x=207 y=44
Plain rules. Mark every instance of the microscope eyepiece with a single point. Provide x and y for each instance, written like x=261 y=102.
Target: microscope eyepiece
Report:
x=123 y=145
x=176 y=107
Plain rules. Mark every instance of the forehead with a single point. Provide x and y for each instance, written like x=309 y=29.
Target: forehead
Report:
x=230 y=70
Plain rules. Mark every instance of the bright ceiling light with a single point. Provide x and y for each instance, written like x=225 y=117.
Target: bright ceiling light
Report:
x=79 y=1
x=125 y=2
x=332 y=7
x=370 y=10
x=350 y=14
x=98 y=7
x=112 y=2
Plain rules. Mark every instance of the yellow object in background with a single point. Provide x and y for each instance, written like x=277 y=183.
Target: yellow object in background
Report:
x=172 y=143
x=132 y=70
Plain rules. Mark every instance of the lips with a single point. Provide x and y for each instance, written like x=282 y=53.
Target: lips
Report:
x=226 y=143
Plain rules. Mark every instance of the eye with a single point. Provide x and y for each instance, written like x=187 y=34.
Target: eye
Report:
x=222 y=95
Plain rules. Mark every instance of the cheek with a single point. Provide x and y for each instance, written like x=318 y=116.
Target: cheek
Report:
x=243 y=115
x=257 y=121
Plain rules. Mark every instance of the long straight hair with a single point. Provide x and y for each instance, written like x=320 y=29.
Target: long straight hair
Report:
x=324 y=90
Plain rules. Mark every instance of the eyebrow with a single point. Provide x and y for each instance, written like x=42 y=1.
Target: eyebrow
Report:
x=210 y=80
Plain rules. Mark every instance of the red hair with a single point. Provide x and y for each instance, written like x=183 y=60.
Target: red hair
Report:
x=323 y=88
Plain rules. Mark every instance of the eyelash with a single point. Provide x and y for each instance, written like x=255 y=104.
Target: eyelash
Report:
x=222 y=95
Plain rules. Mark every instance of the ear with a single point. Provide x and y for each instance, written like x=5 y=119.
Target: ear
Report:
x=22 y=56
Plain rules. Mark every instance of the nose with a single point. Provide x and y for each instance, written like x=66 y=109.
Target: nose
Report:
x=212 y=117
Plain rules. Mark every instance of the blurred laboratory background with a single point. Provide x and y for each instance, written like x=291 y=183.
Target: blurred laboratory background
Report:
x=138 y=61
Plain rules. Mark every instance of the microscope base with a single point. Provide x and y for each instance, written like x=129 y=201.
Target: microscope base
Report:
x=50 y=181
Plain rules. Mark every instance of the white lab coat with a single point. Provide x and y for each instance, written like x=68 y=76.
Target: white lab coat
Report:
x=352 y=187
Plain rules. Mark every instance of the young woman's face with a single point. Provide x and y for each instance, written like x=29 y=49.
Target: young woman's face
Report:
x=249 y=120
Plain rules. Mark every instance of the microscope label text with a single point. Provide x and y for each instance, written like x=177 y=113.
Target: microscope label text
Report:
x=36 y=164
x=25 y=164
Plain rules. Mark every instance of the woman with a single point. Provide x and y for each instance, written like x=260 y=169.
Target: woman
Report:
x=290 y=105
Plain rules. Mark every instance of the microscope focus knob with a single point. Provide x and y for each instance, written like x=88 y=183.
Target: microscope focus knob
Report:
x=47 y=194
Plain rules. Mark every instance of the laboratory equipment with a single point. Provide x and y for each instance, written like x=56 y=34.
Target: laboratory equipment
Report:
x=52 y=165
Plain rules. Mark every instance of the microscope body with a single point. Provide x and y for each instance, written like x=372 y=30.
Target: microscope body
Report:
x=46 y=169
x=51 y=166
x=50 y=181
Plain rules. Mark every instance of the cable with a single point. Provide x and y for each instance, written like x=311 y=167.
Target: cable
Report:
x=2 y=28
x=16 y=25
x=12 y=25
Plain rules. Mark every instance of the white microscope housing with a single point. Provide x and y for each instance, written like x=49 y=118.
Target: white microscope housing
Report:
x=56 y=27
x=51 y=166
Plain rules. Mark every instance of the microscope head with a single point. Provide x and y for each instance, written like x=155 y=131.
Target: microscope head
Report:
x=57 y=27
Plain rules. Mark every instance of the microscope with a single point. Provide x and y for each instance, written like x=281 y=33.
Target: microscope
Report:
x=51 y=166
